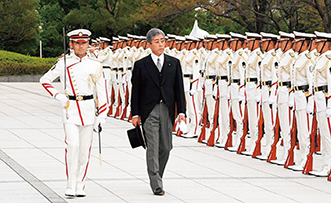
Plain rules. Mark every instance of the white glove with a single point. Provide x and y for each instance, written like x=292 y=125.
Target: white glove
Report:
x=241 y=98
x=328 y=112
x=272 y=99
x=291 y=103
x=310 y=109
x=193 y=92
x=183 y=127
x=215 y=92
x=258 y=98
x=98 y=121
x=63 y=99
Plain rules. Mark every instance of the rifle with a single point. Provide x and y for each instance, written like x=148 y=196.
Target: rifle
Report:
x=211 y=139
x=273 y=151
x=242 y=145
x=290 y=157
x=257 y=149
x=309 y=163
x=204 y=119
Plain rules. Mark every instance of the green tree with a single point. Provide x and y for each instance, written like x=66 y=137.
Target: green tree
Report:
x=19 y=23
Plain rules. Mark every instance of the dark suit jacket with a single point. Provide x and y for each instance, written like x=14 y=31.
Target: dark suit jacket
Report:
x=149 y=86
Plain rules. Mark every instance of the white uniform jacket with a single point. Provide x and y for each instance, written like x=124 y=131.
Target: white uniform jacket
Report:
x=82 y=76
x=285 y=75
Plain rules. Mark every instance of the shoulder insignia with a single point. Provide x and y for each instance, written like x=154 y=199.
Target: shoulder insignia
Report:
x=240 y=53
x=228 y=52
x=292 y=54
x=258 y=53
x=316 y=53
x=273 y=53
x=328 y=56
x=308 y=56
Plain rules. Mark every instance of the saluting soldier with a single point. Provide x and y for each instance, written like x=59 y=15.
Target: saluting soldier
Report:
x=268 y=91
x=322 y=87
x=303 y=100
x=284 y=90
x=79 y=75
x=253 y=94
x=237 y=74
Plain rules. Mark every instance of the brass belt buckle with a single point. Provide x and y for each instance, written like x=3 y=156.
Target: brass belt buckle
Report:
x=79 y=97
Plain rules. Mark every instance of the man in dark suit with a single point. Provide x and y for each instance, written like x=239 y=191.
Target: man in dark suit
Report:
x=157 y=89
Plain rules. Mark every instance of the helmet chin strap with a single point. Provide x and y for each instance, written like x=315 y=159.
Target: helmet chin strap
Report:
x=268 y=45
x=322 y=47
x=253 y=45
x=236 y=45
x=223 y=44
x=286 y=45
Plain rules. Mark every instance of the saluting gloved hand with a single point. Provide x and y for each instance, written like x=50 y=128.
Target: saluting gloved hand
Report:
x=98 y=121
x=328 y=112
x=63 y=99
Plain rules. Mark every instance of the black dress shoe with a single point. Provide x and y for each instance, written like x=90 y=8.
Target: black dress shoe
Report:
x=159 y=191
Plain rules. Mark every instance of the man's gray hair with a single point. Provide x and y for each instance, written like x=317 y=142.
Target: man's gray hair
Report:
x=152 y=33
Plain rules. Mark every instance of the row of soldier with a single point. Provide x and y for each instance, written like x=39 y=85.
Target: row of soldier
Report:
x=248 y=94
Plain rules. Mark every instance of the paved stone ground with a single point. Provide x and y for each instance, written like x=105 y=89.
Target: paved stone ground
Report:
x=32 y=163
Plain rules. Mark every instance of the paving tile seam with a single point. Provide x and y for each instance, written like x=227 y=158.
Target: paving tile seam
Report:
x=37 y=184
x=38 y=148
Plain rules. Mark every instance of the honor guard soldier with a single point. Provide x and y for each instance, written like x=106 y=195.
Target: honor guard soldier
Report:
x=114 y=77
x=253 y=94
x=105 y=56
x=190 y=71
x=284 y=91
x=211 y=83
x=268 y=91
x=322 y=86
x=223 y=81
x=303 y=100
x=237 y=82
x=79 y=75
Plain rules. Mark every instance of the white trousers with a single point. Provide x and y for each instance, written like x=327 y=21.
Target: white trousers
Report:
x=268 y=127
x=284 y=122
x=77 y=154
x=224 y=119
x=253 y=124
x=303 y=135
x=191 y=113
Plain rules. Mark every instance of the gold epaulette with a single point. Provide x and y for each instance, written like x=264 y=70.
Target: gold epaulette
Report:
x=228 y=52
x=240 y=53
x=258 y=53
x=292 y=54
x=328 y=56
x=273 y=53
x=316 y=53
